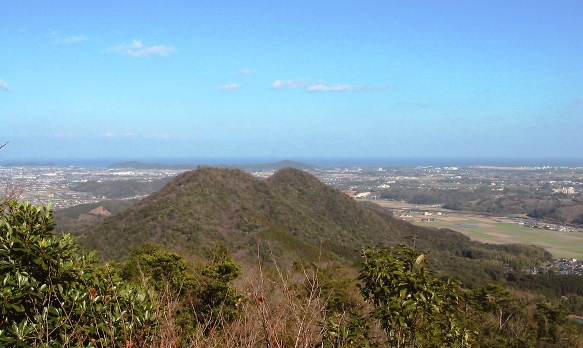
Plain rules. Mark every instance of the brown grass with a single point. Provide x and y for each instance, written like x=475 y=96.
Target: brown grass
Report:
x=278 y=309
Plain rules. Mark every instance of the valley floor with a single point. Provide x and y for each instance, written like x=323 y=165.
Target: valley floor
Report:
x=561 y=242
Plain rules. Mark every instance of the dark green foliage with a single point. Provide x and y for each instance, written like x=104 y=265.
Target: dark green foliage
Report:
x=203 y=295
x=578 y=219
x=516 y=256
x=164 y=270
x=494 y=299
x=52 y=296
x=502 y=319
x=415 y=308
x=350 y=331
x=550 y=320
x=217 y=297
x=552 y=286
x=213 y=205
x=575 y=304
x=548 y=213
x=339 y=289
x=549 y=284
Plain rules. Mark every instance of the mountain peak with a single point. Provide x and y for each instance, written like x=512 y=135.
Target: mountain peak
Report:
x=292 y=210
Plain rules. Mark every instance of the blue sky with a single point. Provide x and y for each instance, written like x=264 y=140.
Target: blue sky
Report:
x=291 y=79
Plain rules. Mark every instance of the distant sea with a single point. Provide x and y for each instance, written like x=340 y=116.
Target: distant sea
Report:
x=316 y=161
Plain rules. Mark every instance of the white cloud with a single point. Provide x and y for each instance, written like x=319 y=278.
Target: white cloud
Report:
x=138 y=49
x=290 y=84
x=109 y=134
x=71 y=40
x=321 y=87
x=244 y=72
x=230 y=87
x=4 y=85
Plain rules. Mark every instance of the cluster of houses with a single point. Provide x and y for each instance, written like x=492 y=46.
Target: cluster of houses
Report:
x=565 y=190
x=561 y=266
x=551 y=227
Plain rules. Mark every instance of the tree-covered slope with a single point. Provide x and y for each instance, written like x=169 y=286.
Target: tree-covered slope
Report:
x=291 y=214
x=206 y=206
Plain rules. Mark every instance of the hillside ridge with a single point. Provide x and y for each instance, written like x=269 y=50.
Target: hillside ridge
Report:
x=291 y=214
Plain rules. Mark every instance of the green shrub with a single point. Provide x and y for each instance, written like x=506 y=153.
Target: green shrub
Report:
x=51 y=295
x=217 y=297
x=201 y=297
x=162 y=269
x=414 y=308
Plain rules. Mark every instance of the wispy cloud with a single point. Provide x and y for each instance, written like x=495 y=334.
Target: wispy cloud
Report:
x=230 y=87
x=71 y=40
x=109 y=134
x=138 y=49
x=4 y=85
x=321 y=87
x=244 y=72
x=290 y=84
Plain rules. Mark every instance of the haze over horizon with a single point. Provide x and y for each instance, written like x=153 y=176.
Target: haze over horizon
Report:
x=291 y=80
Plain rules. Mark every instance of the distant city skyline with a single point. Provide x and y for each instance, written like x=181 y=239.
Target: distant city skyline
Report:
x=291 y=80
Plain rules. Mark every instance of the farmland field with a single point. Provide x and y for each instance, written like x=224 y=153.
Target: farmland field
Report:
x=495 y=230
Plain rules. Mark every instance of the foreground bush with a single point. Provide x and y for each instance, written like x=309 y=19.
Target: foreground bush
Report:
x=200 y=296
x=51 y=295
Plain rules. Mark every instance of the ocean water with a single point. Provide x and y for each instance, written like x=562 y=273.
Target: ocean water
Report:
x=317 y=161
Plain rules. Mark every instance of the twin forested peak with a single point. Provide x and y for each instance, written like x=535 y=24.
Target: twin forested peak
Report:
x=234 y=179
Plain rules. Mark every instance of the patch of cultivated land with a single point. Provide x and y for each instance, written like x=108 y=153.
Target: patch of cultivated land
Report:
x=489 y=230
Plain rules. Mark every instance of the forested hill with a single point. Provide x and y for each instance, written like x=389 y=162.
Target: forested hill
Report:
x=291 y=214
x=207 y=206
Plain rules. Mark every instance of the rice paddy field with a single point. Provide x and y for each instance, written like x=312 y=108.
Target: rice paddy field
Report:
x=495 y=230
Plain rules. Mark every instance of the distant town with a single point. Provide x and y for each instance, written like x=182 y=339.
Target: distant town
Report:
x=44 y=184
